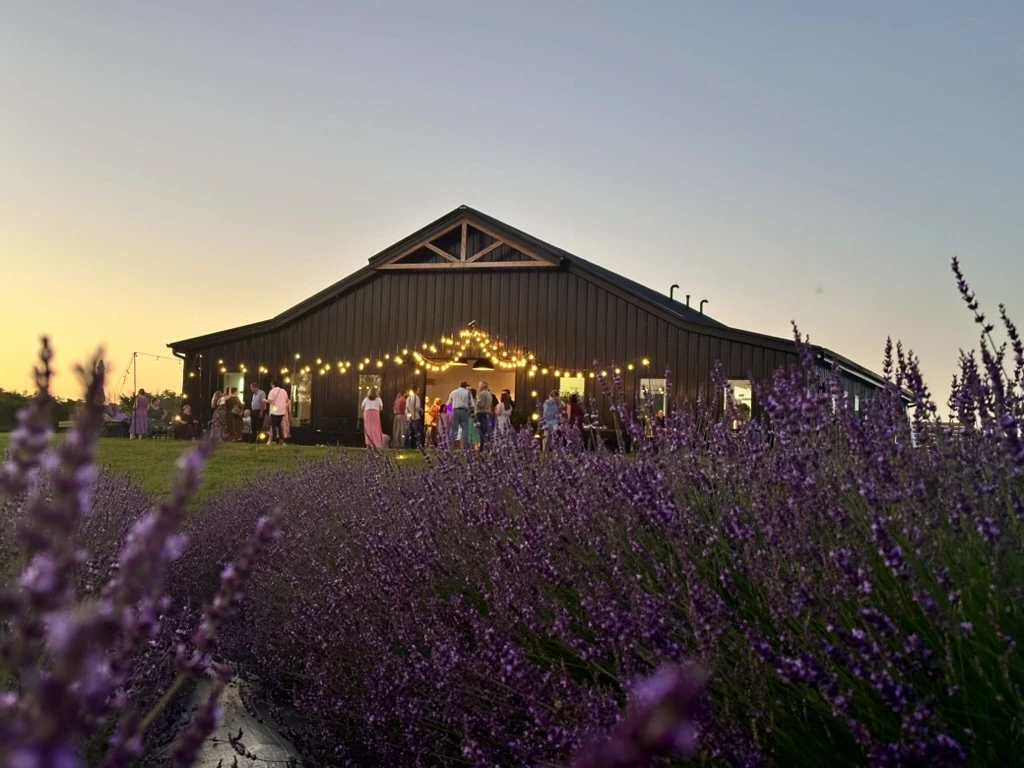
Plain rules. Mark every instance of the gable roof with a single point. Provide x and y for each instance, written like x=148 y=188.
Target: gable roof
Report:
x=529 y=243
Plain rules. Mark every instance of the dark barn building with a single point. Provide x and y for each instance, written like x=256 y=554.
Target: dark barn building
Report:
x=469 y=297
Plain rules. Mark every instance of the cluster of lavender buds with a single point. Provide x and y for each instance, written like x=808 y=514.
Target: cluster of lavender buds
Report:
x=71 y=646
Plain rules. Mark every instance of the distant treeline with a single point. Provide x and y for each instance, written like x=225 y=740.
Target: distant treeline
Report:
x=12 y=402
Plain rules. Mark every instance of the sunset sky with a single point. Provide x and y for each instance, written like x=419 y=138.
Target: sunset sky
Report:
x=787 y=161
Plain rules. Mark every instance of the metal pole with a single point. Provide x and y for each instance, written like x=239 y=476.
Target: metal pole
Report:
x=135 y=373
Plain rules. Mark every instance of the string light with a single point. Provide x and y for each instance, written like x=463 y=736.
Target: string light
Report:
x=486 y=348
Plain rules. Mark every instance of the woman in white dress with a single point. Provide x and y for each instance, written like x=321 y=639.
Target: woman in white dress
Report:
x=503 y=414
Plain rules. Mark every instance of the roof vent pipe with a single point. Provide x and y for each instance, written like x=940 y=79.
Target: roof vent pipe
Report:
x=687 y=299
x=672 y=290
x=702 y=303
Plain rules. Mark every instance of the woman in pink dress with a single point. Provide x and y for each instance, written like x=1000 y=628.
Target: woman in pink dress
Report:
x=370 y=409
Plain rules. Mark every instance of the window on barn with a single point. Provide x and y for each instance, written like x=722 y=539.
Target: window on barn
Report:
x=856 y=403
x=302 y=397
x=655 y=391
x=368 y=381
x=743 y=398
x=235 y=379
x=571 y=385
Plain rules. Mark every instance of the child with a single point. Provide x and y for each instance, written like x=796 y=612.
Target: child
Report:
x=246 y=422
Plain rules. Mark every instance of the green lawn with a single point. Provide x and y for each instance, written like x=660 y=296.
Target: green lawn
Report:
x=150 y=463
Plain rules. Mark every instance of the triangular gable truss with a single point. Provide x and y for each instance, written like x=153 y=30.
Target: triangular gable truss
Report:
x=466 y=245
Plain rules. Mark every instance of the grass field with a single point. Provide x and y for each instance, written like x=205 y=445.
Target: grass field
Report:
x=150 y=463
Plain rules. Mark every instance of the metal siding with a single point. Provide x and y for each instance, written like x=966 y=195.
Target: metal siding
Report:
x=564 y=318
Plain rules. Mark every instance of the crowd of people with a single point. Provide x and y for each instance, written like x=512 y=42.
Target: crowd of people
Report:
x=418 y=423
x=470 y=418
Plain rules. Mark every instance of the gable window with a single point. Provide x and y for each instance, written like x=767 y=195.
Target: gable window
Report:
x=743 y=400
x=302 y=397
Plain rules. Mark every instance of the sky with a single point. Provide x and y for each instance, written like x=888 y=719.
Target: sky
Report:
x=810 y=162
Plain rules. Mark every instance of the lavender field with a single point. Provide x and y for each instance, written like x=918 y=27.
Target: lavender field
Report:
x=815 y=587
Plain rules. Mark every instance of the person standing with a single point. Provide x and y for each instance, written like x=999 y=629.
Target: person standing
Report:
x=431 y=419
x=277 y=402
x=235 y=411
x=575 y=412
x=370 y=409
x=460 y=401
x=257 y=406
x=414 y=418
x=484 y=413
x=140 y=419
x=503 y=414
x=399 y=427
x=219 y=423
x=550 y=418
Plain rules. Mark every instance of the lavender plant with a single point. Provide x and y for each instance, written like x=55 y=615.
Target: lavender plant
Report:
x=852 y=580
x=77 y=655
